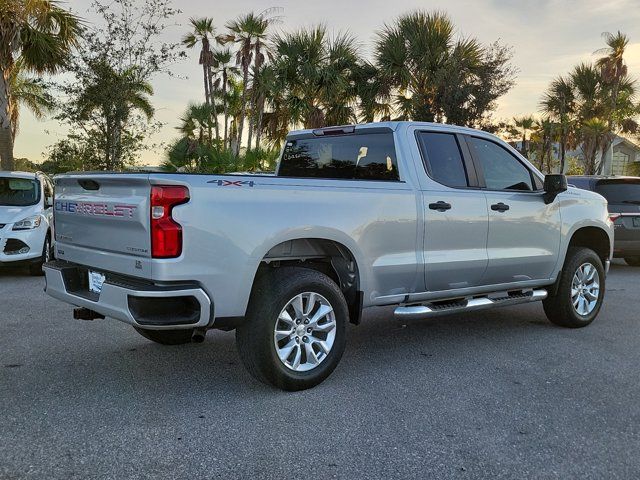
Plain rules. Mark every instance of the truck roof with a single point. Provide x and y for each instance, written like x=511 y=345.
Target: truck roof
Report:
x=393 y=126
x=7 y=173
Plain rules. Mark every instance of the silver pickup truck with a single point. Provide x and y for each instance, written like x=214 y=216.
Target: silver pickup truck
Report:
x=430 y=218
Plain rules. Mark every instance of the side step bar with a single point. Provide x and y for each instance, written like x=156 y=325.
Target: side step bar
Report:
x=468 y=304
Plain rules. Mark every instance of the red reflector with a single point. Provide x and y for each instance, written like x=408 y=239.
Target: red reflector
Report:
x=166 y=233
x=614 y=216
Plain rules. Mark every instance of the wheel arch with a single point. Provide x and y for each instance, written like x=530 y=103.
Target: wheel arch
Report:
x=326 y=255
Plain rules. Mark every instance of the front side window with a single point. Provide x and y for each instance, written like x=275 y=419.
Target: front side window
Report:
x=443 y=159
x=19 y=192
x=502 y=171
x=367 y=156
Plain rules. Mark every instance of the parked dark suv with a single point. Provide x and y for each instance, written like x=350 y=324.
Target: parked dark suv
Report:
x=623 y=195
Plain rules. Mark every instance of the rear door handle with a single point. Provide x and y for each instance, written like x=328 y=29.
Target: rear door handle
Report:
x=440 y=206
x=500 y=207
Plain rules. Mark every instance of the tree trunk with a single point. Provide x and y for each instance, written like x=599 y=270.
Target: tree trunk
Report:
x=606 y=145
x=225 y=107
x=6 y=130
x=250 y=136
x=563 y=152
x=259 y=125
x=213 y=105
x=243 y=108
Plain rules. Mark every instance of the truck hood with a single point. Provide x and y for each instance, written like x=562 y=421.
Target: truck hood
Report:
x=10 y=214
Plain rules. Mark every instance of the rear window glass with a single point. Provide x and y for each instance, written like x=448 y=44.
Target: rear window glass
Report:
x=368 y=156
x=19 y=192
x=620 y=192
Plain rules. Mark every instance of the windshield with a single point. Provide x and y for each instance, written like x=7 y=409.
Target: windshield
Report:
x=18 y=192
x=620 y=192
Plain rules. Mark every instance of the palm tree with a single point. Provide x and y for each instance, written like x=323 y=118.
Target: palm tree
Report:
x=594 y=133
x=249 y=32
x=559 y=104
x=419 y=57
x=42 y=35
x=27 y=92
x=526 y=124
x=613 y=71
x=225 y=72
x=203 y=29
x=314 y=80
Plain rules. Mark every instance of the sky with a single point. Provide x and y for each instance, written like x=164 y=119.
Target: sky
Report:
x=548 y=38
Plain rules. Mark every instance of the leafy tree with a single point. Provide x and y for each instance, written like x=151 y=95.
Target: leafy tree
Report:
x=107 y=101
x=438 y=77
x=39 y=34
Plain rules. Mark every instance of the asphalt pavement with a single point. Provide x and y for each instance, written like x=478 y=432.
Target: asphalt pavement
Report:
x=500 y=393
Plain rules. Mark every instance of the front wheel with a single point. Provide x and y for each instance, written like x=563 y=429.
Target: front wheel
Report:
x=632 y=261
x=35 y=269
x=580 y=291
x=293 y=335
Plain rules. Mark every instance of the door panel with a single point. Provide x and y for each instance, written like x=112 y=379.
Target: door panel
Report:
x=455 y=244
x=523 y=241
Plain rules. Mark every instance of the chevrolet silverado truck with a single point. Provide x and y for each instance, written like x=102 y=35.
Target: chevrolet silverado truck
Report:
x=429 y=218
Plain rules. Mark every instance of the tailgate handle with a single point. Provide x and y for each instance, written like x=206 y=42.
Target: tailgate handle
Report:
x=89 y=184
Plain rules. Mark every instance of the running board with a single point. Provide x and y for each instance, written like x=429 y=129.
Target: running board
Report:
x=468 y=304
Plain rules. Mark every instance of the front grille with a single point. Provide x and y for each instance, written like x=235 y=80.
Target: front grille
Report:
x=15 y=246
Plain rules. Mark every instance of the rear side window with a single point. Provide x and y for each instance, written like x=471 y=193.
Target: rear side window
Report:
x=366 y=156
x=620 y=192
x=443 y=159
x=502 y=171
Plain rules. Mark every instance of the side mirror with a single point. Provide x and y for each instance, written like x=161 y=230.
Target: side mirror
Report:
x=553 y=185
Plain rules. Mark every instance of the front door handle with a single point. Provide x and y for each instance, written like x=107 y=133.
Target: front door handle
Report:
x=499 y=207
x=440 y=206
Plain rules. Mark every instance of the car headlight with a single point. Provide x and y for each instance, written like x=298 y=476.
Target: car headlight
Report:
x=28 y=223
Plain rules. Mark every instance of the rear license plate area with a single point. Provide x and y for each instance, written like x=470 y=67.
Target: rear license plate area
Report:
x=95 y=281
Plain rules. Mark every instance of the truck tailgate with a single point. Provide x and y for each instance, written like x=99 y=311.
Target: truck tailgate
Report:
x=102 y=220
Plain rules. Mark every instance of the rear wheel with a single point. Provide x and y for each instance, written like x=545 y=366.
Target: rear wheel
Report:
x=632 y=261
x=35 y=269
x=294 y=333
x=580 y=291
x=167 y=337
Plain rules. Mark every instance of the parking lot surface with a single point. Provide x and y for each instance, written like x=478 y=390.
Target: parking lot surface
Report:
x=500 y=393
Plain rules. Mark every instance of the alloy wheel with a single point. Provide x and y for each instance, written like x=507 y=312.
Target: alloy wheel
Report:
x=305 y=331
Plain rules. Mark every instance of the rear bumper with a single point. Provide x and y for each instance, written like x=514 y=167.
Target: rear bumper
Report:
x=138 y=303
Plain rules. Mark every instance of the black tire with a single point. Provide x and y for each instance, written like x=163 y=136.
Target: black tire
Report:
x=35 y=269
x=167 y=337
x=559 y=307
x=255 y=336
x=632 y=261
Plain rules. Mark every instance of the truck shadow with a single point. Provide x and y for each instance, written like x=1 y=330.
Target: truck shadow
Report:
x=380 y=348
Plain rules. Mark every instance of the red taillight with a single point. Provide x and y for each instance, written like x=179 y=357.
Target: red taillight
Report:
x=166 y=233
